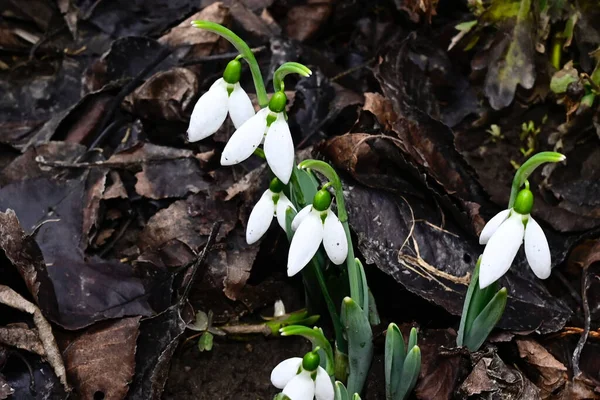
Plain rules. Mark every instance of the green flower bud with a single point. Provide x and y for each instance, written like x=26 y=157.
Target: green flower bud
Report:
x=276 y=186
x=311 y=361
x=322 y=200
x=232 y=72
x=278 y=102
x=524 y=202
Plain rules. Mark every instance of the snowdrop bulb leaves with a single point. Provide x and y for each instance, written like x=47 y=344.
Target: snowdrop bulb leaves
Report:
x=501 y=250
x=301 y=387
x=323 y=386
x=279 y=149
x=537 y=250
x=209 y=112
x=285 y=371
x=305 y=243
x=334 y=239
x=246 y=139
x=300 y=217
x=492 y=226
x=240 y=106
x=280 y=211
x=260 y=218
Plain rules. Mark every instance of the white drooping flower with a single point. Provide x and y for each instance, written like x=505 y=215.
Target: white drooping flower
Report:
x=313 y=225
x=269 y=126
x=224 y=96
x=272 y=203
x=303 y=379
x=503 y=236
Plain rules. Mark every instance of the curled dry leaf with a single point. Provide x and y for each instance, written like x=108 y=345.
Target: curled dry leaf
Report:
x=101 y=360
x=551 y=374
x=21 y=337
x=14 y=300
x=303 y=21
x=199 y=41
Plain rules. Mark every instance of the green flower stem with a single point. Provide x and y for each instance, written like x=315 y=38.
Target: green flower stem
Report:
x=245 y=51
x=527 y=169
x=334 y=179
x=316 y=337
x=340 y=341
x=286 y=69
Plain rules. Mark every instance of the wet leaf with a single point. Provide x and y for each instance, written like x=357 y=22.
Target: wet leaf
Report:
x=5 y=389
x=176 y=178
x=101 y=360
x=304 y=20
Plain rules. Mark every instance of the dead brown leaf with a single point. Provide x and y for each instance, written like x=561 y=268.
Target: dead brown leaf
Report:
x=201 y=42
x=170 y=179
x=166 y=95
x=418 y=8
x=101 y=360
x=439 y=372
x=552 y=373
x=381 y=108
x=305 y=20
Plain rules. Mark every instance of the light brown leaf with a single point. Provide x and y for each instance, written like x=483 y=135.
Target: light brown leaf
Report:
x=552 y=373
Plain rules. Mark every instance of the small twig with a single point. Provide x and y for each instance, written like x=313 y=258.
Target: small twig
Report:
x=199 y=260
x=246 y=329
x=586 y=324
x=100 y=164
x=216 y=57
x=115 y=239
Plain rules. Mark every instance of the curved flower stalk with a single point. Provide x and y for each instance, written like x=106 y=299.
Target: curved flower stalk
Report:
x=316 y=224
x=303 y=378
x=224 y=96
x=269 y=125
x=503 y=236
x=273 y=203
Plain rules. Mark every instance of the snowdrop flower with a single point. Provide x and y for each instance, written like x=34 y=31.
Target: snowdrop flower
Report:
x=314 y=224
x=225 y=95
x=268 y=125
x=503 y=236
x=273 y=202
x=303 y=378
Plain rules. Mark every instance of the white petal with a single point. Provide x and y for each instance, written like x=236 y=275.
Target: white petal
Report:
x=300 y=217
x=334 y=239
x=209 y=112
x=260 y=217
x=323 y=386
x=240 y=106
x=285 y=371
x=501 y=250
x=305 y=243
x=279 y=149
x=282 y=206
x=301 y=387
x=492 y=226
x=246 y=139
x=537 y=250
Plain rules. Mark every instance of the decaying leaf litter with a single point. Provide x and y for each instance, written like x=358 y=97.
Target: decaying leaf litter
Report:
x=109 y=215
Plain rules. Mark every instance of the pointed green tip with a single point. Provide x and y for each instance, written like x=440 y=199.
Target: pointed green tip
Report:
x=348 y=300
x=392 y=326
x=562 y=157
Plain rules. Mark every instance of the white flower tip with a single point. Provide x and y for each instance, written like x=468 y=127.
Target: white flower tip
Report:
x=279 y=309
x=562 y=157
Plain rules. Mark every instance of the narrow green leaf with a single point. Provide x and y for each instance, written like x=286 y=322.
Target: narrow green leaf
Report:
x=340 y=391
x=363 y=300
x=412 y=339
x=304 y=186
x=360 y=344
x=205 y=343
x=373 y=313
x=410 y=373
x=395 y=353
x=486 y=321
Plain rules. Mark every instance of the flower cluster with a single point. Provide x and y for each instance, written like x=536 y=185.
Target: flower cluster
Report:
x=268 y=126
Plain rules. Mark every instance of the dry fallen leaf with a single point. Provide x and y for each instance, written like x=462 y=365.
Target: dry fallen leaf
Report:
x=101 y=360
x=552 y=373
